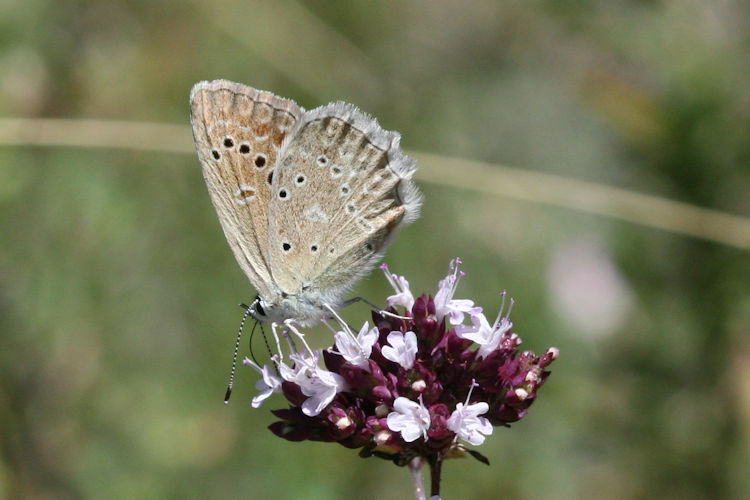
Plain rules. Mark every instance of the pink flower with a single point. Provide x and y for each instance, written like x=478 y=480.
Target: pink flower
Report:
x=409 y=418
x=487 y=336
x=446 y=305
x=401 y=348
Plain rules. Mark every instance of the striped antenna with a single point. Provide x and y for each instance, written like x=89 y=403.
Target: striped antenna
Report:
x=248 y=312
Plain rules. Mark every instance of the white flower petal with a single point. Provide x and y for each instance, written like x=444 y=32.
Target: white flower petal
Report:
x=468 y=425
x=410 y=418
x=401 y=348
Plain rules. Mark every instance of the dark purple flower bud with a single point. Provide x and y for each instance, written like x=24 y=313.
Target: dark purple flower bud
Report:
x=381 y=393
x=420 y=310
x=293 y=393
x=455 y=346
x=360 y=381
x=382 y=436
x=291 y=414
x=333 y=361
x=296 y=426
x=548 y=357
x=344 y=421
x=377 y=373
x=439 y=435
x=289 y=432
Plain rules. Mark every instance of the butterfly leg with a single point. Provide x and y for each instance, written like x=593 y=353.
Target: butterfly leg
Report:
x=338 y=318
x=274 y=326
x=299 y=334
x=348 y=329
x=375 y=308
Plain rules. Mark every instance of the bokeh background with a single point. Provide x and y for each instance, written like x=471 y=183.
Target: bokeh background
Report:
x=118 y=293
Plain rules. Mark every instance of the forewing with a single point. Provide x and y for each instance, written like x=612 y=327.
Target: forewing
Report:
x=238 y=131
x=342 y=187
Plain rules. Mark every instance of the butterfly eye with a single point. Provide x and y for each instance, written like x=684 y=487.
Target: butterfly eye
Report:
x=322 y=160
x=314 y=248
x=259 y=308
x=215 y=153
x=283 y=194
x=228 y=142
x=286 y=247
x=244 y=148
x=351 y=208
x=300 y=180
x=344 y=189
x=260 y=160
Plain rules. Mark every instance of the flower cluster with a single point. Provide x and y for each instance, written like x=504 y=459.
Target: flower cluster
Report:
x=414 y=383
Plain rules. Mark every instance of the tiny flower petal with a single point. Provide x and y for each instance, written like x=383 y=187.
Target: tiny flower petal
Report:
x=410 y=418
x=403 y=296
x=322 y=388
x=446 y=305
x=402 y=348
x=357 y=351
x=269 y=384
x=487 y=336
x=320 y=385
x=468 y=425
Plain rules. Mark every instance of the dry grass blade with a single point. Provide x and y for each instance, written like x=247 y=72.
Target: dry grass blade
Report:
x=481 y=177
x=588 y=197
x=96 y=134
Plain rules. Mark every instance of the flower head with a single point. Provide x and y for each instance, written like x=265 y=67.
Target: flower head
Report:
x=415 y=383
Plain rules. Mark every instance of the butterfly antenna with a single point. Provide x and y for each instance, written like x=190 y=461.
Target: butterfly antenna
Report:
x=236 y=351
x=265 y=341
x=250 y=342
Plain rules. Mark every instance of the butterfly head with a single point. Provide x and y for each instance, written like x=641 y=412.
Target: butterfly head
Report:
x=305 y=308
x=257 y=310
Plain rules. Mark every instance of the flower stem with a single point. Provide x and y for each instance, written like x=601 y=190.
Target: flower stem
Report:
x=416 y=473
x=436 y=464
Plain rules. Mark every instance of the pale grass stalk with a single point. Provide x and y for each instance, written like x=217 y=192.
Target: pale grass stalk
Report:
x=487 y=178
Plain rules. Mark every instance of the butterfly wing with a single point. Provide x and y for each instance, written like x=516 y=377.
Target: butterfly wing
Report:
x=238 y=131
x=342 y=187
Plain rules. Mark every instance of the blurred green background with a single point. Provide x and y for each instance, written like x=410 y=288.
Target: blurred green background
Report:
x=118 y=292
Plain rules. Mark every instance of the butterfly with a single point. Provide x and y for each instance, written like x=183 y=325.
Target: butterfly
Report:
x=308 y=200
